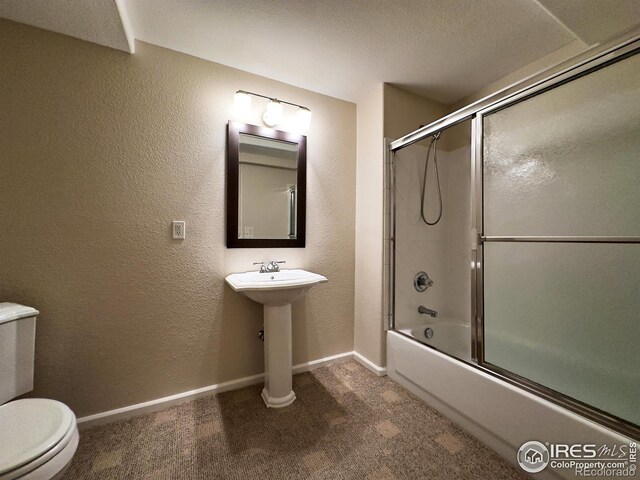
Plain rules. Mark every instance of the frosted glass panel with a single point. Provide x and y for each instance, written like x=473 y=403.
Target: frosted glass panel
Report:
x=567 y=161
x=567 y=316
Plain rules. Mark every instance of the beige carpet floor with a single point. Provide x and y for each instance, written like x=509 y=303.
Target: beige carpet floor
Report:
x=347 y=423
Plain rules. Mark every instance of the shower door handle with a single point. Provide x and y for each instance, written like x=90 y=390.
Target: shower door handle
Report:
x=475 y=239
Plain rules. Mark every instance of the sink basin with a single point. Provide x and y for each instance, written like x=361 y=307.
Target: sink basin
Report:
x=275 y=288
x=275 y=291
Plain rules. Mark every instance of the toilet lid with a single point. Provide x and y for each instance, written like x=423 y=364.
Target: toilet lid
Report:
x=29 y=428
x=14 y=311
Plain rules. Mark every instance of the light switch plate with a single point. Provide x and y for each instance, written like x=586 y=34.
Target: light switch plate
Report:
x=178 y=229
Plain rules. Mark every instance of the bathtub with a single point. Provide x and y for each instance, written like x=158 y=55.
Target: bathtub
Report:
x=499 y=414
x=447 y=335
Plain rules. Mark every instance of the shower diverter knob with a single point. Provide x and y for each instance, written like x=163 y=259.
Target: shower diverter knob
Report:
x=422 y=281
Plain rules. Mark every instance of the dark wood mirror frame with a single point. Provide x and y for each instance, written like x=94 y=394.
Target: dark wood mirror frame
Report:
x=234 y=129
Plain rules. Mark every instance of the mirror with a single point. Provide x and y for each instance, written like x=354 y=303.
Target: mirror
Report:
x=266 y=187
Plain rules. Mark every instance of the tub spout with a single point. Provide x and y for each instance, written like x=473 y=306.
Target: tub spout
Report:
x=427 y=311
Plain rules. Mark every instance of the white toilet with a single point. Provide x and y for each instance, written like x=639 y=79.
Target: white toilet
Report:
x=38 y=437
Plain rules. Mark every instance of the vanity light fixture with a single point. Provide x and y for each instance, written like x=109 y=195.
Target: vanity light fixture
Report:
x=272 y=115
x=242 y=101
x=303 y=118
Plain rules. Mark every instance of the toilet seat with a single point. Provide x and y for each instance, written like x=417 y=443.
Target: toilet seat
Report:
x=34 y=431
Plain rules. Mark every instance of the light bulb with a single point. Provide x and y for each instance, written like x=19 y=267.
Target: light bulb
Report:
x=303 y=119
x=241 y=101
x=273 y=113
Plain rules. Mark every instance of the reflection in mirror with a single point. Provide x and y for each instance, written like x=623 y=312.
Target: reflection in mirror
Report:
x=267 y=186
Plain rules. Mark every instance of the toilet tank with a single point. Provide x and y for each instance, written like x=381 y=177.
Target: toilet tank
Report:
x=17 y=346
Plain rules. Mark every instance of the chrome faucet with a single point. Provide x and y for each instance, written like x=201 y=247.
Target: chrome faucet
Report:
x=273 y=266
x=270 y=267
x=427 y=311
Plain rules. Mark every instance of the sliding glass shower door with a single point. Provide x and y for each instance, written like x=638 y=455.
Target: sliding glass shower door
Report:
x=561 y=239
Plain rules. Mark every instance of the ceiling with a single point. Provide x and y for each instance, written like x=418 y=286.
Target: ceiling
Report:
x=445 y=50
x=99 y=21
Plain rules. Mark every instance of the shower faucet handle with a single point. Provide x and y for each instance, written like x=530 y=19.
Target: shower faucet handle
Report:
x=422 y=281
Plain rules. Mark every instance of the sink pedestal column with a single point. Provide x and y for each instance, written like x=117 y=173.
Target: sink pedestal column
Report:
x=277 y=391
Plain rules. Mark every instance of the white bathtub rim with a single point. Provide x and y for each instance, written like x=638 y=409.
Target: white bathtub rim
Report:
x=503 y=446
x=514 y=388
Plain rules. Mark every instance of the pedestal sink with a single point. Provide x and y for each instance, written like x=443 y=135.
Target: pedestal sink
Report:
x=276 y=291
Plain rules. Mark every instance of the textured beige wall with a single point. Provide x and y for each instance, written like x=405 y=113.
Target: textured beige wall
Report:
x=369 y=337
x=384 y=111
x=405 y=111
x=99 y=151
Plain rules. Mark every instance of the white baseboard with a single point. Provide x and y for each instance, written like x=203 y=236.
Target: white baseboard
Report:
x=321 y=362
x=380 y=371
x=164 y=402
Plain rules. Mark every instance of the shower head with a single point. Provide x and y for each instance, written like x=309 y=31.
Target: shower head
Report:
x=435 y=135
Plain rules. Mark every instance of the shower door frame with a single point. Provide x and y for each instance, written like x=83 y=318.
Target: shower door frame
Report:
x=594 y=59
